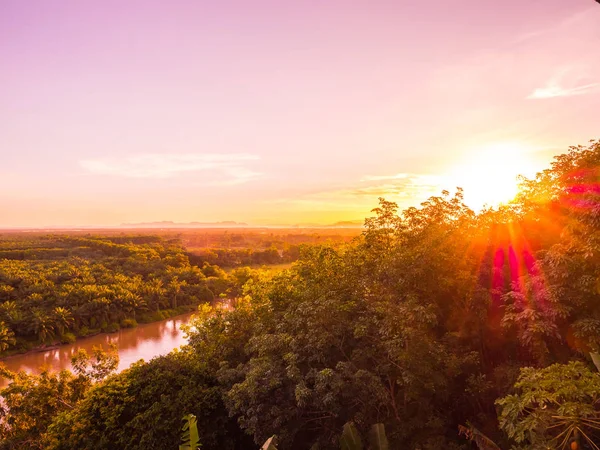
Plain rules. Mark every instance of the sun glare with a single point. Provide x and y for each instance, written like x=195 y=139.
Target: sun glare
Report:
x=489 y=175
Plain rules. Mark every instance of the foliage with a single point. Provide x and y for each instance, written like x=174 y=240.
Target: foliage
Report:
x=553 y=406
x=377 y=437
x=269 y=444
x=99 y=365
x=129 y=323
x=350 y=438
x=474 y=435
x=189 y=433
x=93 y=283
x=30 y=402
x=419 y=324
x=140 y=408
x=7 y=337
x=329 y=341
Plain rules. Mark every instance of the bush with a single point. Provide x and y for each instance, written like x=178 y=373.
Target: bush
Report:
x=83 y=331
x=155 y=316
x=112 y=328
x=23 y=344
x=129 y=323
x=183 y=309
x=167 y=313
x=67 y=338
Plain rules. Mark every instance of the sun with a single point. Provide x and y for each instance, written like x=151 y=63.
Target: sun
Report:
x=489 y=174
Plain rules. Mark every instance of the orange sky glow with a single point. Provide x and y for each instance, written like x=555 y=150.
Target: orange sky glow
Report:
x=282 y=113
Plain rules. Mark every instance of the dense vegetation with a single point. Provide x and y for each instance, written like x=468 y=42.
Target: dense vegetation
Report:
x=434 y=318
x=54 y=288
x=257 y=247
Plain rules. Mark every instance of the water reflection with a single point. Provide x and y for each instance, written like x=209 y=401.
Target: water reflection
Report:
x=144 y=342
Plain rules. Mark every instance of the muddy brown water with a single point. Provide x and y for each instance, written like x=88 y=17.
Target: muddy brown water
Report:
x=144 y=342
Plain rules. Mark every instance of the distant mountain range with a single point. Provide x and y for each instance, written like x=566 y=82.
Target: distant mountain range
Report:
x=348 y=224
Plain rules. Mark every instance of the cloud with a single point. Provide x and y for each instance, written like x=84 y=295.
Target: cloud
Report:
x=583 y=20
x=404 y=189
x=554 y=89
x=556 y=60
x=398 y=176
x=160 y=166
x=237 y=175
x=577 y=78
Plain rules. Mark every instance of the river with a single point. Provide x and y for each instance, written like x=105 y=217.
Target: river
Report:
x=143 y=342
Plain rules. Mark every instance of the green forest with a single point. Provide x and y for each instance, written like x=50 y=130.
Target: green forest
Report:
x=453 y=329
x=57 y=288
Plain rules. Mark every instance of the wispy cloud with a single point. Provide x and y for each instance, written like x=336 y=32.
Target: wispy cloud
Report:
x=235 y=175
x=398 y=176
x=552 y=90
x=578 y=20
x=567 y=82
x=161 y=166
x=405 y=189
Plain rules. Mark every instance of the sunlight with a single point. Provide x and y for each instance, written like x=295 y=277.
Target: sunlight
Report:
x=489 y=175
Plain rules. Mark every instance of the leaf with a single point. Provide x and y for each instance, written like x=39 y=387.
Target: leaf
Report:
x=269 y=444
x=596 y=359
x=350 y=439
x=377 y=437
x=189 y=435
x=481 y=440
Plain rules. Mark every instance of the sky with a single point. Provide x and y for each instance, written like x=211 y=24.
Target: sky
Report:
x=283 y=112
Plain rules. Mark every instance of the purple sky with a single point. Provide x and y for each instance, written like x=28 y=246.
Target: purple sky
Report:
x=274 y=112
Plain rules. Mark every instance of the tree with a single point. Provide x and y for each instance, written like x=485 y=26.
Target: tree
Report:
x=10 y=313
x=174 y=289
x=553 y=407
x=141 y=408
x=7 y=337
x=324 y=343
x=31 y=402
x=63 y=319
x=42 y=324
x=155 y=291
x=99 y=365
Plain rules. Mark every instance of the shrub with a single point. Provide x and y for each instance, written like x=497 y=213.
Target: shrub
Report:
x=129 y=323
x=83 y=331
x=154 y=316
x=67 y=338
x=112 y=327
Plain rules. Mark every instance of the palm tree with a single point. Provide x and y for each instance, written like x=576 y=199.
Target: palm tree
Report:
x=42 y=324
x=63 y=319
x=6 y=292
x=7 y=337
x=100 y=308
x=134 y=302
x=174 y=288
x=10 y=313
x=155 y=291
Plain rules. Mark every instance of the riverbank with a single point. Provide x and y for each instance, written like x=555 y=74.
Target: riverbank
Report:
x=26 y=347
x=143 y=342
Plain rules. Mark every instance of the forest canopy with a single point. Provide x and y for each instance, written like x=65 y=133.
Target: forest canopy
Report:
x=55 y=288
